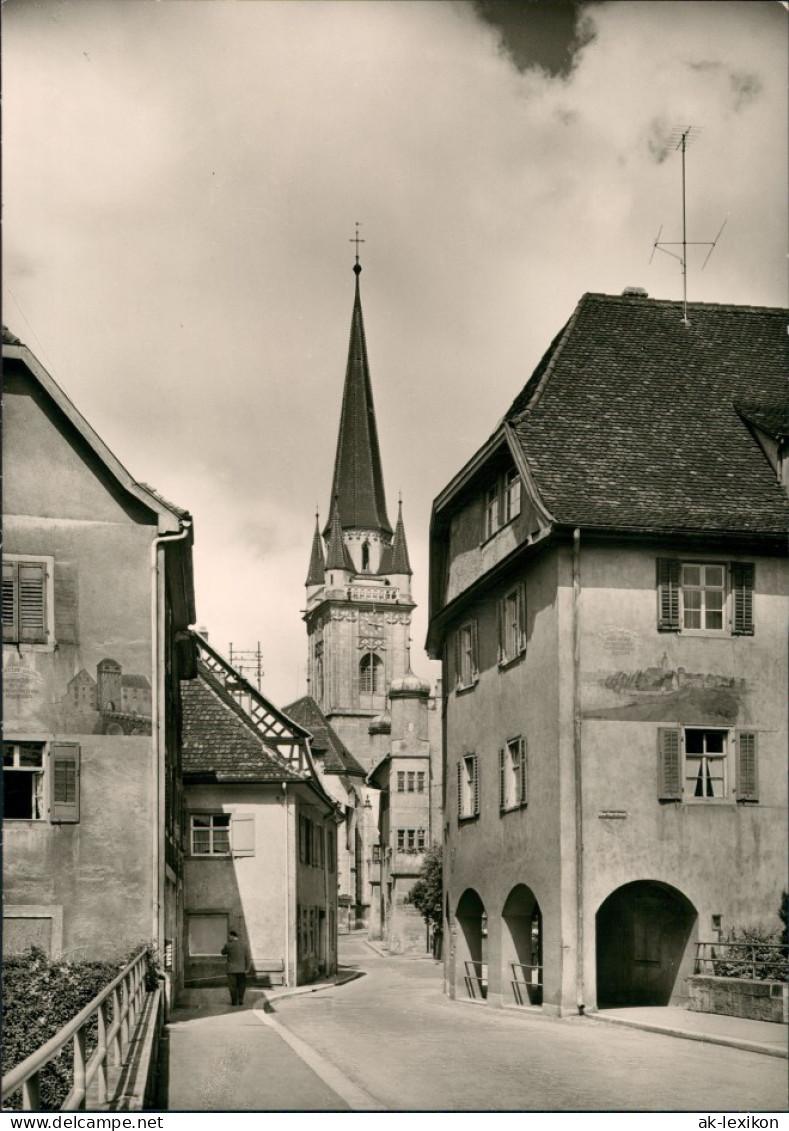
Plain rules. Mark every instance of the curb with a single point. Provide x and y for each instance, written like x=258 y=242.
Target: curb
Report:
x=296 y=991
x=706 y=1038
x=378 y=949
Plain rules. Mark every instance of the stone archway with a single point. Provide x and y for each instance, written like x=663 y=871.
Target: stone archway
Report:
x=471 y=970
x=521 y=947
x=643 y=935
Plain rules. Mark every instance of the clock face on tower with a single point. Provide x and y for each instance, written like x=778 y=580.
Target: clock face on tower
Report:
x=371 y=624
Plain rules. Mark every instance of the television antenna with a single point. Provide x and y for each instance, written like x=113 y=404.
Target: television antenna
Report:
x=248 y=662
x=682 y=137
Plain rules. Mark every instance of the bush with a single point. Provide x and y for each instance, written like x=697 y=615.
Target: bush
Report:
x=425 y=895
x=40 y=996
x=734 y=961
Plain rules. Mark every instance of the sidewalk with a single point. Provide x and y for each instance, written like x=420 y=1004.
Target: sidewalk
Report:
x=737 y=1032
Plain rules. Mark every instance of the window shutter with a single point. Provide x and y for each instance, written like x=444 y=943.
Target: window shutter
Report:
x=32 y=583
x=474 y=651
x=458 y=659
x=669 y=765
x=64 y=783
x=502 y=778
x=476 y=785
x=10 y=624
x=747 y=766
x=500 y=616
x=524 y=775
x=742 y=594
x=522 y=616
x=460 y=789
x=668 y=595
x=242 y=834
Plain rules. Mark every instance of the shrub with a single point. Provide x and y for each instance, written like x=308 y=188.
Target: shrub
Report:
x=425 y=895
x=733 y=961
x=40 y=996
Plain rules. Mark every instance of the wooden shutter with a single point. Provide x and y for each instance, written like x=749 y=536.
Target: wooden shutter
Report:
x=458 y=658
x=669 y=764
x=242 y=834
x=502 y=778
x=10 y=620
x=668 y=574
x=31 y=586
x=747 y=766
x=742 y=596
x=475 y=765
x=474 y=651
x=522 y=617
x=64 y=783
x=523 y=783
x=460 y=789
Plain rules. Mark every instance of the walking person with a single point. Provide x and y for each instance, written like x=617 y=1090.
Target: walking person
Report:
x=237 y=956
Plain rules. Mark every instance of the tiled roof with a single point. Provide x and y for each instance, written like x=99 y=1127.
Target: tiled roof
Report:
x=358 y=481
x=770 y=417
x=166 y=502
x=326 y=743
x=220 y=739
x=630 y=421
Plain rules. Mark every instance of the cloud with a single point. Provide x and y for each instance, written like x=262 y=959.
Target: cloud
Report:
x=746 y=88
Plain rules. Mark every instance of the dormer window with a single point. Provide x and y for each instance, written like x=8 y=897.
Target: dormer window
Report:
x=492 y=510
x=502 y=502
x=512 y=495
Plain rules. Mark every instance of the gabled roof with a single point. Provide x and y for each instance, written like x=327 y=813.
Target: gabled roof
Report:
x=326 y=743
x=220 y=740
x=630 y=420
x=772 y=418
x=358 y=483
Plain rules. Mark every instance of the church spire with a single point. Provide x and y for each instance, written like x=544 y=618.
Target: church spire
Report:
x=317 y=562
x=358 y=484
x=400 y=563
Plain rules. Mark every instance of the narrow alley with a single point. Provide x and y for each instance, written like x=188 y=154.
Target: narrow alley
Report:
x=390 y=1040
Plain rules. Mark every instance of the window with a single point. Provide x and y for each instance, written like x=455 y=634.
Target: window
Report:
x=466 y=663
x=365 y=556
x=23 y=781
x=400 y=781
x=331 y=856
x=705 y=597
x=371 y=674
x=411 y=841
x=420 y=782
x=27 y=600
x=513 y=777
x=468 y=787
x=695 y=764
x=492 y=510
x=207 y=934
x=210 y=834
x=512 y=625
x=25 y=765
x=512 y=495
x=502 y=502
x=411 y=781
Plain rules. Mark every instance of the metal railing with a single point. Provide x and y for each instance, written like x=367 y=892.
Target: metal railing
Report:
x=526 y=983
x=116 y=1010
x=718 y=958
x=476 y=979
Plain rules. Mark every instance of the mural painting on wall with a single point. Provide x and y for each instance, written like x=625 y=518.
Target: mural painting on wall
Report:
x=114 y=702
x=661 y=692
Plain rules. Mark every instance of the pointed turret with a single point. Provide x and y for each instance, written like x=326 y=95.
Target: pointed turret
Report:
x=400 y=562
x=317 y=561
x=337 y=556
x=358 y=483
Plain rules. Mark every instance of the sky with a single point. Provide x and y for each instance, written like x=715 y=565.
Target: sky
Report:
x=182 y=180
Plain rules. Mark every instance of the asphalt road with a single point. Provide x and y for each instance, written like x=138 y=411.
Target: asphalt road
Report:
x=392 y=1041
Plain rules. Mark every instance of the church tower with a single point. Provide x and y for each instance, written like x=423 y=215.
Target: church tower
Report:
x=359 y=604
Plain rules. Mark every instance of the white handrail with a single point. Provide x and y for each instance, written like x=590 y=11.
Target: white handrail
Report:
x=25 y=1075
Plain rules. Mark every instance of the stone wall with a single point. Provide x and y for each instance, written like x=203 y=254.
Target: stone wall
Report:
x=740 y=997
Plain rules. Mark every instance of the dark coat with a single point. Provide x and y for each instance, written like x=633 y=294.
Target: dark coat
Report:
x=237 y=956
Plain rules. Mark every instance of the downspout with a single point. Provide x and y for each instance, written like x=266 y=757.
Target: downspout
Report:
x=158 y=730
x=579 y=816
x=287 y=882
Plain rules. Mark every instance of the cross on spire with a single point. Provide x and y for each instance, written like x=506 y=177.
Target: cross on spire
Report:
x=357 y=239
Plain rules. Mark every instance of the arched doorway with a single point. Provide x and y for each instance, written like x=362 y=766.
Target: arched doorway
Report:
x=521 y=947
x=642 y=935
x=471 y=967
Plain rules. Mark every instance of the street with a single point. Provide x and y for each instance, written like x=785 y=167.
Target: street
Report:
x=391 y=1040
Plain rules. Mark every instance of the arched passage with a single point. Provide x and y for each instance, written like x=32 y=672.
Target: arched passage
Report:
x=471 y=961
x=642 y=932
x=521 y=946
